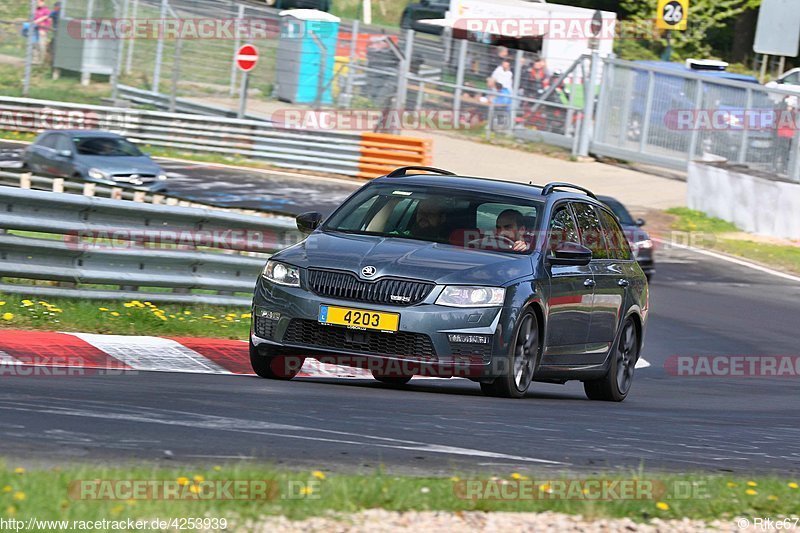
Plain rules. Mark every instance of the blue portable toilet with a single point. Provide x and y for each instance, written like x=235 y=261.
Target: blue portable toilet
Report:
x=306 y=54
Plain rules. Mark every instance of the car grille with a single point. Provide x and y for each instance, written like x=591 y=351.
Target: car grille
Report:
x=264 y=327
x=311 y=333
x=347 y=286
x=471 y=351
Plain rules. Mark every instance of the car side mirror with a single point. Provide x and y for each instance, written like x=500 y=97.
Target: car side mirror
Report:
x=640 y=222
x=570 y=254
x=65 y=153
x=308 y=222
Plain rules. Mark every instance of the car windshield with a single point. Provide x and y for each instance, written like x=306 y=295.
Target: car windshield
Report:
x=106 y=146
x=622 y=213
x=462 y=218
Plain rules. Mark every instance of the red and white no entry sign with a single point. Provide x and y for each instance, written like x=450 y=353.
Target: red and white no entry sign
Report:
x=246 y=57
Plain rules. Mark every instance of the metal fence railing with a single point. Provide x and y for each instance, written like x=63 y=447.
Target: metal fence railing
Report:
x=68 y=245
x=669 y=117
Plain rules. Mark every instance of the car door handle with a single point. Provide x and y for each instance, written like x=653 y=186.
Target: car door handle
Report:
x=588 y=283
x=623 y=283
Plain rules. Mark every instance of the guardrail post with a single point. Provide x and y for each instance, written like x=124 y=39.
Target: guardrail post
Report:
x=25 y=180
x=88 y=189
x=348 y=88
x=588 y=105
x=116 y=193
x=518 y=60
x=86 y=76
x=176 y=75
x=58 y=185
x=138 y=196
x=158 y=199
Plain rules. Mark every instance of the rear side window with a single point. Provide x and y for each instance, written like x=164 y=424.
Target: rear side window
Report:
x=48 y=141
x=63 y=143
x=591 y=230
x=616 y=241
x=562 y=228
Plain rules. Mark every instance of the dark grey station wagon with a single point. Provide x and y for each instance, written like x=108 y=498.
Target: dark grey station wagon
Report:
x=422 y=272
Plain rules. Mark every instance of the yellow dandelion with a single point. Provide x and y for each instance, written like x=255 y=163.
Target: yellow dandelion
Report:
x=455 y=479
x=318 y=474
x=752 y=484
x=244 y=315
x=19 y=470
x=187 y=313
x=751 y=492
x=7 y=488
x=19 y=496
x=305 y=491
x=516 y=475
x=56 y=310
x=127 y=304
x=114 y=313
x=663 y=506
x=104 y=309
x=162 y=317
x=183 y=481
x=217 y=468
x=2 y=304
x=772 y=497
x=11 y=510
x=545 y=488
x=194 y=489
x=731 y=484
x=26 y=303
x=8 y=316
x=198 y=479
x=181 y=319
x=792 y=485
x=117 y=509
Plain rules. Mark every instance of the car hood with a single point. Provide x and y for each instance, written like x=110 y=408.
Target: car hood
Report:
x=439 y=263
x=120 y=164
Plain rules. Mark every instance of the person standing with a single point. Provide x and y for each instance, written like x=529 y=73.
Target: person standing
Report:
x=42 y=24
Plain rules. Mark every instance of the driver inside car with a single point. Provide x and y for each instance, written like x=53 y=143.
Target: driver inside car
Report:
x=510 y=234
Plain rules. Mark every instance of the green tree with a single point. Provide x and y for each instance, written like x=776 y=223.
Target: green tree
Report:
x=706 y=17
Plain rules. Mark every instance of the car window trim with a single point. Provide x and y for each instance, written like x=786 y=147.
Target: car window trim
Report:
x=621 y=231
x=599 y=221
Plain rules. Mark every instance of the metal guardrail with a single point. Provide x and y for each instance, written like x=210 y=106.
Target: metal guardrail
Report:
x=316 y=150
x=174 y=254
x=182 y=105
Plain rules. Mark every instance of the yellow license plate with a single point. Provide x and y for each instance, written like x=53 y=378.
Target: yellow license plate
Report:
x=358 y=318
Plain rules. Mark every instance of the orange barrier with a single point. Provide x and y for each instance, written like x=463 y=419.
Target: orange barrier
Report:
x=382 y=152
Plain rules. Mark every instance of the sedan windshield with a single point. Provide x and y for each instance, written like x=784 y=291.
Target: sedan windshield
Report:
x=106 y=146
x=461 y=218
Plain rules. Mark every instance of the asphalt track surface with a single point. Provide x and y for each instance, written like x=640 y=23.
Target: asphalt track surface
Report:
x=286 y=192
x=700 y=305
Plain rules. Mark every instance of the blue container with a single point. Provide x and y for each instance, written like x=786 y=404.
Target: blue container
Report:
x=306 y=55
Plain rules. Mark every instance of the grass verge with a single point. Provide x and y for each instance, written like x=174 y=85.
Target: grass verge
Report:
x=723 y=236
x=122 y=318
x=71 y=493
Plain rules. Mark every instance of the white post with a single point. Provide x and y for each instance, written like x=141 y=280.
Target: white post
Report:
x=367 y=11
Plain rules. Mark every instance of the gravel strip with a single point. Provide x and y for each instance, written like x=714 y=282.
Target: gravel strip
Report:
x=380 y=521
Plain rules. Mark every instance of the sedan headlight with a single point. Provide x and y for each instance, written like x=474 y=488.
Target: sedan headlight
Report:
x=644 y=245
x=97 y=174
x=282 y=274
x=460 y=296
x=162 y=177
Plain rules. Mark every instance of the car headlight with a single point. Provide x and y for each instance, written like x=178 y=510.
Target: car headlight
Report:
x=162 y=177
x=97 y=174
x=282 y=274
x=644 y=245
x=460 y=296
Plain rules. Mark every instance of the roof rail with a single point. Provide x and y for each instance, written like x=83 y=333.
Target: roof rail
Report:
x=550 y=187
x=402 y=171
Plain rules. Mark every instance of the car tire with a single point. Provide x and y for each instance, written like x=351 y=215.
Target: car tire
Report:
x=267 y=363
x=392 y=380
x=521 y=364
x=615 y=385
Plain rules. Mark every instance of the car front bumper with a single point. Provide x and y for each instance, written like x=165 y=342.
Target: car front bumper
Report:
x=288 y=317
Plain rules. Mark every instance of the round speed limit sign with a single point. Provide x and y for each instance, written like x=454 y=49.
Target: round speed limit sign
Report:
x=672 y=14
